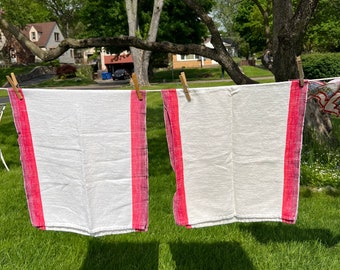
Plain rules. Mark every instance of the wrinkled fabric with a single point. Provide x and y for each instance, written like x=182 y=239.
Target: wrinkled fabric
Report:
x=84 y=159
x=236 y=152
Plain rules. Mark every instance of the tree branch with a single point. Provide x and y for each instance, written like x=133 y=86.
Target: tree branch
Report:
x=303 y=15
x=222 y=55
x=219 y=53
x=23 y=40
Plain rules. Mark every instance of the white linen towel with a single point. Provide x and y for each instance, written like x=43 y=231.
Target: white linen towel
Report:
x=236 y=152
x=84 y=158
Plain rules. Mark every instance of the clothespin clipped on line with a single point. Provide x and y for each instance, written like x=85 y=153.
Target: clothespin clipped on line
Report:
x=135 y=82
x=15 y=85
x=185 y=85
x=300 y=69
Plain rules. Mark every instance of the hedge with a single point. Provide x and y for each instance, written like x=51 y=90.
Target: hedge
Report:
x=321 y=65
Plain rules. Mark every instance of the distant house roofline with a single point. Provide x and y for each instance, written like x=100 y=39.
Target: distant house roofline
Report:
x=45 y=31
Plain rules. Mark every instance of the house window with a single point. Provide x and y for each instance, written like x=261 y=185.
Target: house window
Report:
x=56 y=37
x=190 y=57
x=33 y=36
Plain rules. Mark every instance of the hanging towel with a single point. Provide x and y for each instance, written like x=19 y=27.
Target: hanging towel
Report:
x=84 y=159
x=327 y=95
x=236 y=152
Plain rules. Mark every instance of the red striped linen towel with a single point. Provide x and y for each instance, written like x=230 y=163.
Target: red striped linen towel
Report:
x=84 y=159
x=236 y=152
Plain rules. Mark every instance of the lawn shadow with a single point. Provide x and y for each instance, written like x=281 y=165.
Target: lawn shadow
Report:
x=220 y=255
x=104 y=255
x=279 y=232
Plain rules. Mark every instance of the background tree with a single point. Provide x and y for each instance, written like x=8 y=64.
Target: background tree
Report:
x=103 y=18
x=223 y=13
x=323 y=34
x=65 y=13
x=20 y=11
x=141 y=57
x=248 y=22
x=288 y=32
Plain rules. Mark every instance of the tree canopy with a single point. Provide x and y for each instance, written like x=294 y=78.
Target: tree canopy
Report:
x=65 y=13
x=323 y=34
x=22 y=12
x=248 y=22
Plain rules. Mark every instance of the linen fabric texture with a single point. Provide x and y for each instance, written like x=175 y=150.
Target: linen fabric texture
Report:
x=236 y=152
x=84 y=158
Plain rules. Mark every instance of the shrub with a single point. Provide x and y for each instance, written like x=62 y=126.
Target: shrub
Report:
x=321 y=65
x=320 y=160
x=85 y=71
x=66 y=71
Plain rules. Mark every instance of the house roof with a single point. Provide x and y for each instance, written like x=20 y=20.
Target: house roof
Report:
x=45 y=31
x=118 y=59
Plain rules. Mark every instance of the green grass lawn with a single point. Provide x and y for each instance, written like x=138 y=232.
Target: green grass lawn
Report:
x=206 y=74
x=312 y=243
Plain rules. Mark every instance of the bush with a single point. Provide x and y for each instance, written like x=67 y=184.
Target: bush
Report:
x=320 y=160
x=321 y=65
x=66 y=71
x=85 y=71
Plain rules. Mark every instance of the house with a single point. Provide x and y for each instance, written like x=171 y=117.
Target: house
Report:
x=86 y=56
x=196 y=61
x=118 y=61
x=46 y=35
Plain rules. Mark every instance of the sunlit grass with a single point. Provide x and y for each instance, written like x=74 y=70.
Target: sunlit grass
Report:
x=312 y=243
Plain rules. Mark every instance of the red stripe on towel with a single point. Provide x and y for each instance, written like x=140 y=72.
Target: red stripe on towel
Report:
x=297 y=105
x=139 y=162
x=29 y=166
x=172 y=124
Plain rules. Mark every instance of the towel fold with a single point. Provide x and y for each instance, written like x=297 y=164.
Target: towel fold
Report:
x=84 y=158
x=236 y=152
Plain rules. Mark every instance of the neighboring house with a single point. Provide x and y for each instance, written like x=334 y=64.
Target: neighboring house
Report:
x=104 y=60
x=85 y=56
x=12 y=52
x=46 y=35
x=119 y=61
x=196 y=61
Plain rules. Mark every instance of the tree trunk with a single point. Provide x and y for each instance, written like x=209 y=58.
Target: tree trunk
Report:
x=220 y=55
x=284 y=42
x=141 y=61
x=289 y=29
x=288 y=33
x=141 y=58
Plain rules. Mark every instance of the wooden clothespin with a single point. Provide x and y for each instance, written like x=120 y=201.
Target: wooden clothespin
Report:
x=300 y=69
x=135 y=82
x=15 y=85
x=185 y=85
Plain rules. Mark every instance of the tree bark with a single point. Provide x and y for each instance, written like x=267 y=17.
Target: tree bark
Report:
x=221 y=54
x=288 y=33
x=141 y=58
